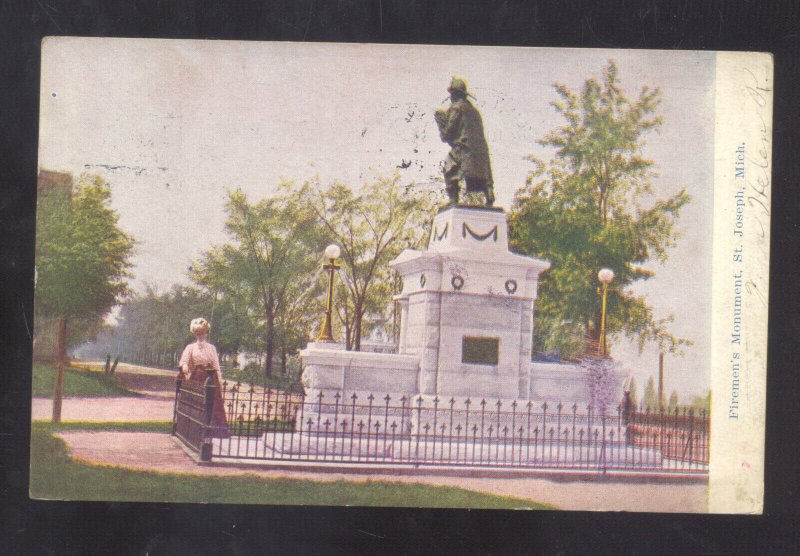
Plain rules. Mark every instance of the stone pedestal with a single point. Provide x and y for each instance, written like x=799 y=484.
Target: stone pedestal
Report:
x=329 y=368
x=467 y=318
x=467 y=307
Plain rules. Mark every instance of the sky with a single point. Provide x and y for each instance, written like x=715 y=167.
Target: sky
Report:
x=174 y=125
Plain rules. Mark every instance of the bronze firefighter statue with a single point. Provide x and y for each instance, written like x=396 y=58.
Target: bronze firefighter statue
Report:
x=461 y=127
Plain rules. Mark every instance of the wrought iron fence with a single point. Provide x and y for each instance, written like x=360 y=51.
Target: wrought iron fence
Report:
x=189 y=422
x=362 y=428
x=680 y=434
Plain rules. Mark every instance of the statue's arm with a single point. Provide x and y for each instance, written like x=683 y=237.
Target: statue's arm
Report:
x=449 y=124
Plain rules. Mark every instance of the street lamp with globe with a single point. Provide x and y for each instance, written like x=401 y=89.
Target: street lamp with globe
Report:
x=332 y=253
x=606 y=275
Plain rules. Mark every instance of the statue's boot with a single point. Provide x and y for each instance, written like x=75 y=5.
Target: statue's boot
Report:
x=489 y=196
x=452 y=192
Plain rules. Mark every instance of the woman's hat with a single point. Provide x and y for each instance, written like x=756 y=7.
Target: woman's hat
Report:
x=199 y=324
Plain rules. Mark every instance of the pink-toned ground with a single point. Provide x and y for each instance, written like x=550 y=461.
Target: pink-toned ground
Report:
x=106 y=409
x=159 y=452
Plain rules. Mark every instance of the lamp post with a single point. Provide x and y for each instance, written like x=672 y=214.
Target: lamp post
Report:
x=606 y=275
x=332 y=253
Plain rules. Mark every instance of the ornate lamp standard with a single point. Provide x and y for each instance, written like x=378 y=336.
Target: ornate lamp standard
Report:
x=332 y=253
x=606 y=275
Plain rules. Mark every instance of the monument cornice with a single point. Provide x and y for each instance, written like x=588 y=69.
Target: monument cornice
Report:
x=494 y=295
x=482 y=208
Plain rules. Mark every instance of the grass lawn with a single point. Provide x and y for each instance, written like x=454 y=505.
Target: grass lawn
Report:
x=122 y=426
x=77 y=382
x=55 y=476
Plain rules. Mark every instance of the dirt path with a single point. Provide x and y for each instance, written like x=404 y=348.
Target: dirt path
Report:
x=160 y=452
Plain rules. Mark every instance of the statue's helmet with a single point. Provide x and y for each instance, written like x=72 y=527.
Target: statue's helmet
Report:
x=457 y=84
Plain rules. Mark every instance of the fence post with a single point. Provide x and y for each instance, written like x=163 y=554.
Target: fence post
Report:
x=208 y=431
x=628 y=413
x=627 y=406
x=691 y=435
x=178 y=383
x=603 y=448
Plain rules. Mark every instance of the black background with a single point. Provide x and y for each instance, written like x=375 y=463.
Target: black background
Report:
x=121 y=528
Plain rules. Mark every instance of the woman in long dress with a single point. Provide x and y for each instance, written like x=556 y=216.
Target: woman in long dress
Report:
x=199 y=360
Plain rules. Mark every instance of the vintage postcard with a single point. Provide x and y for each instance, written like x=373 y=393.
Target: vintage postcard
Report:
x=399 y=275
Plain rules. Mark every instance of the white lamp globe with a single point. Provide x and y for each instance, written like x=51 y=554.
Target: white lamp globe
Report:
x=332 y=251
x=605 y=275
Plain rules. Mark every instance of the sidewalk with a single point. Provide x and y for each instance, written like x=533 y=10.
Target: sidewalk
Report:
x=160 y=452
x=106 y=409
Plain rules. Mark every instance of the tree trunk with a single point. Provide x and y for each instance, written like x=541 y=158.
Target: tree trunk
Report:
x=270 y=343
x=283 y=360
x=60 y=356
x=661 y=379
x=357 y=315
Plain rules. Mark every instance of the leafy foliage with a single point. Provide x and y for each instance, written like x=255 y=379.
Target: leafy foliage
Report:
x=371 y=226
x=701 y=402
x=633 y=388
x=82 y=255
x=650 y=399
x=584 y=210
x=153 y=327
x=673 y=401
x=267 y=272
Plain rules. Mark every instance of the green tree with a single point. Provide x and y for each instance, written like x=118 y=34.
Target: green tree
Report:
x=371 y=226
x=673 y=401
x=153 y=327
x=268 y=268
x=633 y=388
x=701 y=403
x=82 y=262
x=650 y=399
x=585 y=210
